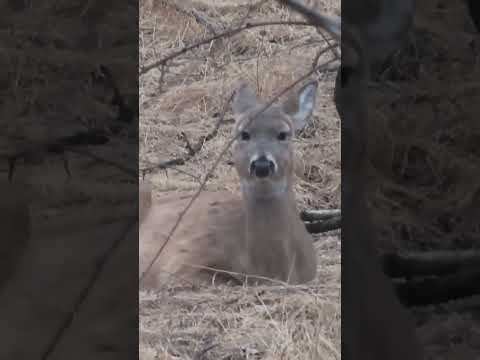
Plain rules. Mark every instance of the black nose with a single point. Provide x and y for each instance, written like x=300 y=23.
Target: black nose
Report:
x=262 y=167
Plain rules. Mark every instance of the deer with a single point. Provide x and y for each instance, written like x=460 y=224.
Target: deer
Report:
x=258 y=234
x=377 y=325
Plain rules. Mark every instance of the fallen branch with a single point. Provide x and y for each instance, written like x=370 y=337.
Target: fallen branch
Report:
x=428 y=291
x=318 y=227
x=323 y=214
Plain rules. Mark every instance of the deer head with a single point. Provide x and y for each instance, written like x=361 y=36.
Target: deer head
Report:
x=263 y=150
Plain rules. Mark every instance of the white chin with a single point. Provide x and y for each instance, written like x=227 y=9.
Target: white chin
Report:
x=263 y=188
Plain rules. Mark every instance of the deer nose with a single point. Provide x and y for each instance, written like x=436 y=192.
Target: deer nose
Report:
x=262 y=167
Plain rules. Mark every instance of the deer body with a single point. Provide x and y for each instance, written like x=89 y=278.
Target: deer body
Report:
x=258 y=233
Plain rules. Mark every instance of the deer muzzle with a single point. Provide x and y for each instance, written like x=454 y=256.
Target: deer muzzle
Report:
x=262 y=167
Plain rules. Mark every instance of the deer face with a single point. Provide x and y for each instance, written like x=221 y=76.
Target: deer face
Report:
x=263 y=150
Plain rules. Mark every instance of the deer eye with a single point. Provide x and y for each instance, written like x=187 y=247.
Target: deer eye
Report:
x=245 y=136
x=282 y=136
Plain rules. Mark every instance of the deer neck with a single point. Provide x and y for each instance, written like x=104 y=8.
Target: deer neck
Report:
x=271 y=238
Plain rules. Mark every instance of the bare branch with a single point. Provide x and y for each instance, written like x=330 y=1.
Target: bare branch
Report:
x=330 y=46
x=320 y=53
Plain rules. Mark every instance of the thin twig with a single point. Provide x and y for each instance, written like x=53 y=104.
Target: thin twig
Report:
x=320 y=53
x=330 y=46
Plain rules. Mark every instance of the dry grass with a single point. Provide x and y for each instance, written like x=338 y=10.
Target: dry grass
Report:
x=271 y=322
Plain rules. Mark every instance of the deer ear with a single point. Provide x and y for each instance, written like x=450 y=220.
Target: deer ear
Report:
x=244 y=99
x=300 y=108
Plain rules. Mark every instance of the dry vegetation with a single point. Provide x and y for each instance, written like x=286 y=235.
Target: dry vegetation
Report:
x=182 y=102
x=429 y=130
